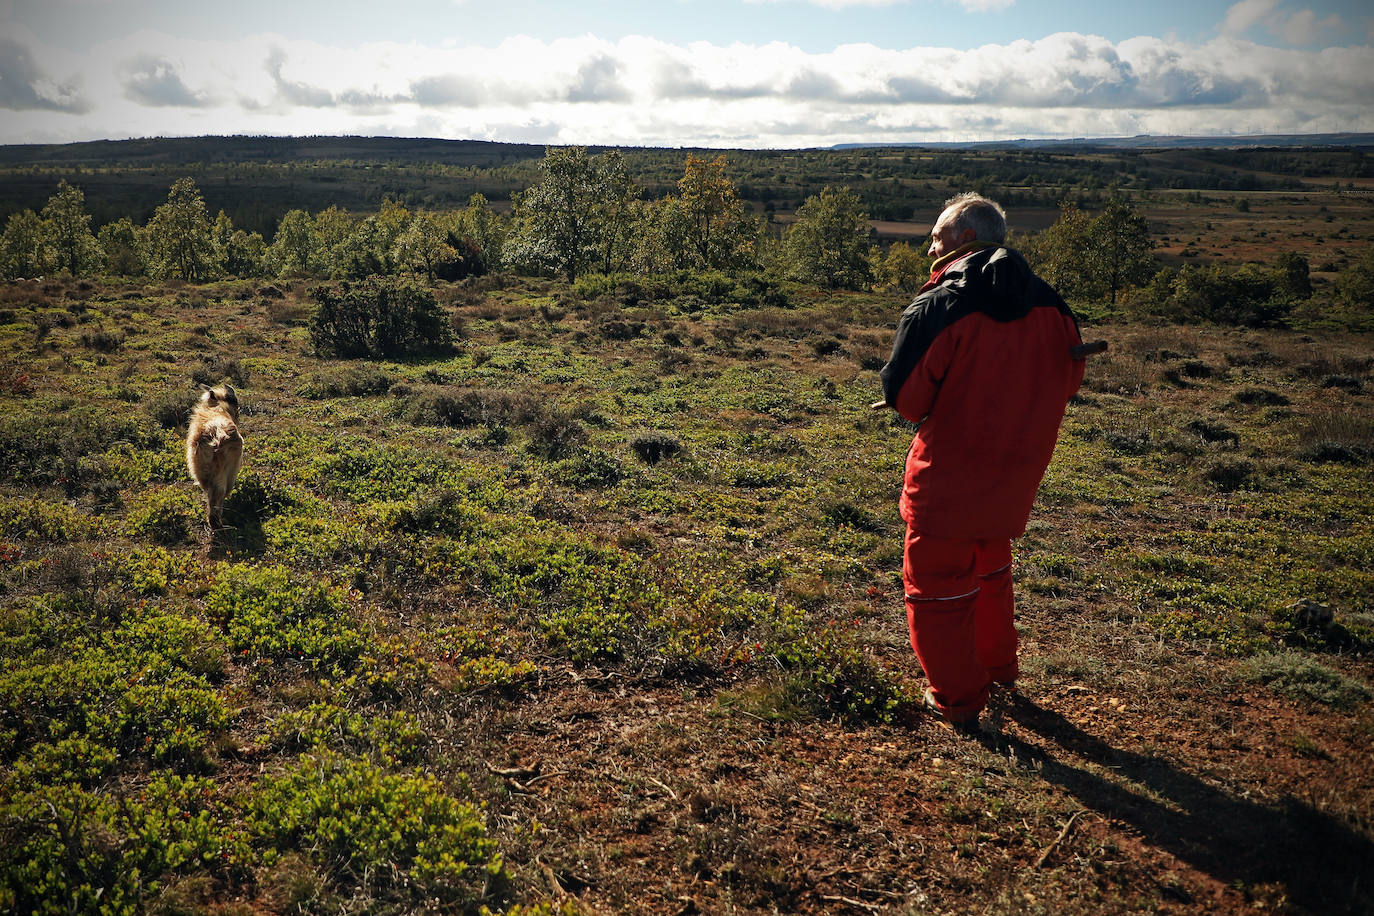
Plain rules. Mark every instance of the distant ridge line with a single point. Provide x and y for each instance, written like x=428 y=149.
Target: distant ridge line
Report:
x=1141 y=141
x=490 y=152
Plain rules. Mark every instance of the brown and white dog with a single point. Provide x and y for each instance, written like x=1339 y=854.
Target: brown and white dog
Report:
x=214 y=448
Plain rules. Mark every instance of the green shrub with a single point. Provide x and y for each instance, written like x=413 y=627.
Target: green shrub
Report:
x=142 y=687
x=46 y=445
x=398 y=833
x=346 y=381
x=439 y=511
x=1228 y=474
x=587 y=633
x=45 y=520
x=394 y=738
x=171 y=409
x=490 y=673
x=316 y=543
x=378 y=318
x=653 y=447
x=377 y=473
x=590 y=468
x=168 y=515
x=101 y=340
x=265 y=613
x=829 y=673
x=460 y=407
x=1301 y=678
x=556 y=436
x=255 y=499
x=69 y=850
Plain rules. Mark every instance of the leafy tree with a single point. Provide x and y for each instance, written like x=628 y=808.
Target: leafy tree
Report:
x=660 y=237
x=484 y=226
x=719 y=229
x=1293 y=275
x=904 y=268
x=121 y=242
x=828 y=244
x=615 y=212
x=1355 y=292
x=179 y=238
x=429 y=244
x=1249 y=296
x=240 y=253
x=295 y=246
x=380 y=317
x=332 y=229
x=1119 y=247
x=361 y=253
x=562 y=223
x=1062 y=254
x=22 y=252
x=67 y=232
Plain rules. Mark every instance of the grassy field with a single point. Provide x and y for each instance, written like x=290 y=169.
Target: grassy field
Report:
x=602 y=613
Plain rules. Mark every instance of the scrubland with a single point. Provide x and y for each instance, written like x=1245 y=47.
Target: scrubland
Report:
x=601 y=612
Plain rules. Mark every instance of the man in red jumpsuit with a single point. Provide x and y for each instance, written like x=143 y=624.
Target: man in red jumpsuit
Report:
x=982 y=362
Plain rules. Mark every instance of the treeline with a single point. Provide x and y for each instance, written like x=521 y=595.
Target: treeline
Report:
x=1104 y=264
x=257 y=180
x=585 y=214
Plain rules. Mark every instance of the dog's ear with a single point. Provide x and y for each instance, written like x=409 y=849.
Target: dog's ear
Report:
x=207 y=395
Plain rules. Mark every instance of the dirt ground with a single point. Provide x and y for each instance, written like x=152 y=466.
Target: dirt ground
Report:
x=1077 y=795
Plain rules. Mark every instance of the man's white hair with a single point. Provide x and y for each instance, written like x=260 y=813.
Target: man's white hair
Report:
x=973 y=211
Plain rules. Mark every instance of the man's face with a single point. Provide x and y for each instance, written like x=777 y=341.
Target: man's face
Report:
x=943 y=238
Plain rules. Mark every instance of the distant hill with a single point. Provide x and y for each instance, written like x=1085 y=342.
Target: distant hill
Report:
x=154 y=151
x=1143 y=141
x=256 y=180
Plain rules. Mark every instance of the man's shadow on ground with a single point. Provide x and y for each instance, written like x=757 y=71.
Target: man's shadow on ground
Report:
x=1323 y=865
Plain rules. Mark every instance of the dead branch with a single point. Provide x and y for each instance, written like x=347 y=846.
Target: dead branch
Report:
x=1059 y=839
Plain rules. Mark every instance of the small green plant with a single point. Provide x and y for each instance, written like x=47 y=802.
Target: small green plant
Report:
x=1296 y=675
x=346 y=381
x=70 y=850
x=168 y=516
x=400 y=834
x=45 y=520
x=556 y=436
x=395 y=738
x=653 y=447
x=266 y=613
x=829 y=673
x=590 y=468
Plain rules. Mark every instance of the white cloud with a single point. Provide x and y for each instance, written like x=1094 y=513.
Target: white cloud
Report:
x=837 y=4
x=642 y=90
x=1245 y=15
x=1296 y=28
x=985 y=6
x=26 y=85
x=1303 y=27
x=972 y=6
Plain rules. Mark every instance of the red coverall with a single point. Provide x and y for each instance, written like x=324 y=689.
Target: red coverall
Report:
x=981 y=361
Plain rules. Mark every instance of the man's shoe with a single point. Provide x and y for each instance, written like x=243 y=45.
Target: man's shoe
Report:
x=966 y=727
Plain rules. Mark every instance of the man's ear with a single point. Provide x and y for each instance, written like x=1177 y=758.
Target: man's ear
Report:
x=968 y=235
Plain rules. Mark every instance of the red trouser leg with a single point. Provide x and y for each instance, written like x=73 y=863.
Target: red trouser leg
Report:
x=994 y=610
x=941 y=581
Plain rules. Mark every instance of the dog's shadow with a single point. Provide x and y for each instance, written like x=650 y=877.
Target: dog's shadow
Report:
x=1323 y=865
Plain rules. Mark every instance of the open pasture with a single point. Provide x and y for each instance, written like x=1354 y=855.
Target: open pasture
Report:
x=601 y=612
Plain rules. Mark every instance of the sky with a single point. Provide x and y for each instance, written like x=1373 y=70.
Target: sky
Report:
x=675 y=73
